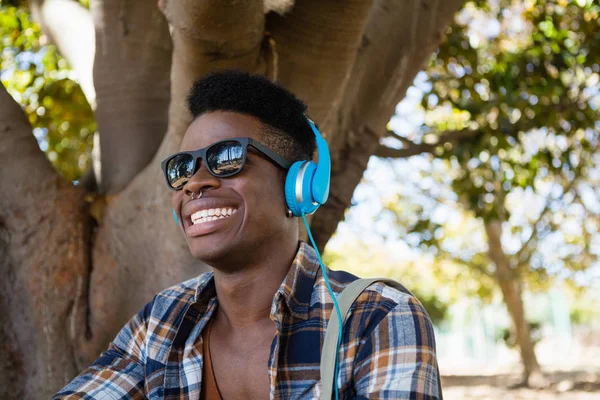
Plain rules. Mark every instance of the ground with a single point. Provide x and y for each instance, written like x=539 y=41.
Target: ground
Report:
x=571 y=385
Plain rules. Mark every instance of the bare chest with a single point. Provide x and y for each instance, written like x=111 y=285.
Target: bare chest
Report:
x=240 y=364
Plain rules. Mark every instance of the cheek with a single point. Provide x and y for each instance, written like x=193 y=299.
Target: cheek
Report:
x=278 y=194
x=176 y=200
x=268 y=198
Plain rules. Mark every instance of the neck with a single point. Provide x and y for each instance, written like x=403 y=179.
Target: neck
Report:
x=246 y=294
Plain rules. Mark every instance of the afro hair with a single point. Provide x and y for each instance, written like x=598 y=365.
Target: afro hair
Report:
x=281 y=112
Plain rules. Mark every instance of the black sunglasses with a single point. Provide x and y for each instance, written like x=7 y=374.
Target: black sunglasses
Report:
x=222 y=159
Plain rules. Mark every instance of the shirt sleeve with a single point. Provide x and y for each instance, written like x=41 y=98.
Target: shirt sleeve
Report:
x=398 y=358
x=119 y=372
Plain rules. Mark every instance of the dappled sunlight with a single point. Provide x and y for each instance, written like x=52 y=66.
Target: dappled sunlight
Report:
x=522 y=78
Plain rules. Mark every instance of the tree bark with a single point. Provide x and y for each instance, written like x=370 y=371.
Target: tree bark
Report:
x=317 y=44
x=208 y=36
x=131 y=75
x=510 y=285
x=378 y=81
x=44 y=233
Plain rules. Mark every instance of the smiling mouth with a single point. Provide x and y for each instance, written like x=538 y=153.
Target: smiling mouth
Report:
x=212 y=214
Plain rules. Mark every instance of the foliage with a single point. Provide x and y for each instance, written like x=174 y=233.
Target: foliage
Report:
x=521 y=79
x=508 y=335
x=581 y=316
x=40 y=80
x=437 y=310
x=372 y=261
x=539 y=76
x=584 y=308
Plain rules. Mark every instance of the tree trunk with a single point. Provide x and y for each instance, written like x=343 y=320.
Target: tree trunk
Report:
x=44 y=264
x=397 y=40
x=509 y=283
x=131 y=77
x=69 y=277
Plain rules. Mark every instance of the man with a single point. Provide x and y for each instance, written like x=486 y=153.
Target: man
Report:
x=253 y=328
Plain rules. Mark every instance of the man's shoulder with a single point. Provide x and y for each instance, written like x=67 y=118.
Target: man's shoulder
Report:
x=386 y=290
x=380 y=290
x=382 y=299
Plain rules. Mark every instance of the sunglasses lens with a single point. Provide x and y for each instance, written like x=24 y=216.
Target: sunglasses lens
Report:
x=225 y=158
x=180 y=169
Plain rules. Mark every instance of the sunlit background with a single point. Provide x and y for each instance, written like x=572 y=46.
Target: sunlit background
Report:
x=514 y=91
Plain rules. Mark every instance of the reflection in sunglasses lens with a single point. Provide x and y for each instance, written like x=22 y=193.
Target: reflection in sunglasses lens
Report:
x=180 y=169
x=225 y=158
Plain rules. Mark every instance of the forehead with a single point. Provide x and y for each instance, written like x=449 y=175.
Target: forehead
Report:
x=219 y=125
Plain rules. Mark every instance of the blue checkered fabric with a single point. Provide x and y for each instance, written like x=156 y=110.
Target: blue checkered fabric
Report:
x=387 y=352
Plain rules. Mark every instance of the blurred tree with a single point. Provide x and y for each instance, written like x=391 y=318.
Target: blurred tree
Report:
x=368 y=261
x=41 y=81
x=71 y=254
x=511 y=104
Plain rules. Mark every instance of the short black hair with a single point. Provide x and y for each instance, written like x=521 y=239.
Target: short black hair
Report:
x=282 y=114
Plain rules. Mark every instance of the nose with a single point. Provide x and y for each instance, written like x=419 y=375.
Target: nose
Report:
x=202 y=180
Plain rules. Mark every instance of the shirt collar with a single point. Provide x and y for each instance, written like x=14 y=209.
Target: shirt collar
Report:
x=297 y=287
x=295 y=290
x=206 y=287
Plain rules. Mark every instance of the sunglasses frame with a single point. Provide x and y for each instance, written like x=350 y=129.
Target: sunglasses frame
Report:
x=243 y=141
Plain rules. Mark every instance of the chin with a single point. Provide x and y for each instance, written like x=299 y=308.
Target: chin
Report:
x=207 y=254
x=215 y=254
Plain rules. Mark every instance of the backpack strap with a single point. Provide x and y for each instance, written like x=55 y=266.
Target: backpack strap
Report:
x=328 y=352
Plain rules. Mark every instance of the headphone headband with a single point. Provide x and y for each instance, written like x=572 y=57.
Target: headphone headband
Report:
x=320 y=186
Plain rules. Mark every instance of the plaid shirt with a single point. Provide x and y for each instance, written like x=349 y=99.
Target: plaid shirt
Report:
x=388 y=348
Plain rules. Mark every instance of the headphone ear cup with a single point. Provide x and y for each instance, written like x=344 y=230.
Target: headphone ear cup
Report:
x=298 y=188
x=290 y=188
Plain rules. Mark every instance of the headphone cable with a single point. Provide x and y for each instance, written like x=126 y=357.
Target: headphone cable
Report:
x=335 y=303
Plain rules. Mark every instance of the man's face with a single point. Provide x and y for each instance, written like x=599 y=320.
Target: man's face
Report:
x=251 y=206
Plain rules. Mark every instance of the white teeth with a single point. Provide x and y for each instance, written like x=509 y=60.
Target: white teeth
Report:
x=211 y=214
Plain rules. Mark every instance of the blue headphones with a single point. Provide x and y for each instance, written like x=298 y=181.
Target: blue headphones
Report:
x=307 y=183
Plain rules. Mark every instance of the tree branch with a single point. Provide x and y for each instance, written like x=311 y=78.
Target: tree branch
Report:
x=405 y=141
x=70 y=27
x=479 y=267
x=319 y=36
x=131 y=71
x=208 y=36
x=420 y=148
x=22 y=163
x=387 y=62
x=534 y=233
